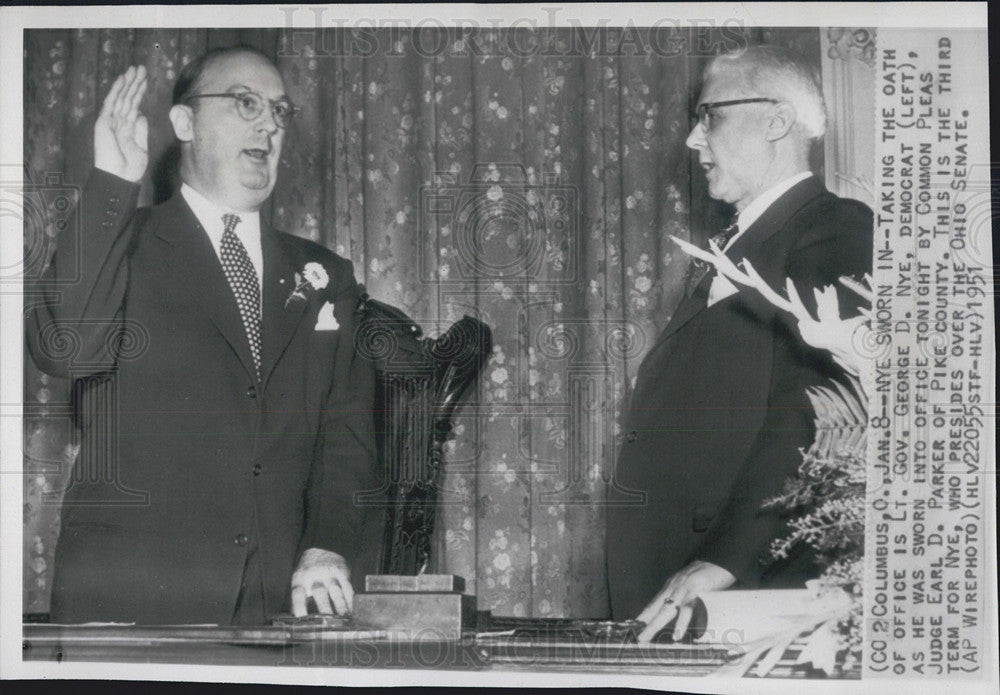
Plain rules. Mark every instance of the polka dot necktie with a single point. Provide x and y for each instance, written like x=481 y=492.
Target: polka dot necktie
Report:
x=243 y=281
x=699 y=268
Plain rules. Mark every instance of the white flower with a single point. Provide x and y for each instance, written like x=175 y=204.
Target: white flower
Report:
x=315 y=275
x=501 y=561
x=494 y=193
x=499 y=375
x=643 y=283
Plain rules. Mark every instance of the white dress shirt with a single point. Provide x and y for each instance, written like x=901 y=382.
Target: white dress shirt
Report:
x=210 y=216
x=721 y=286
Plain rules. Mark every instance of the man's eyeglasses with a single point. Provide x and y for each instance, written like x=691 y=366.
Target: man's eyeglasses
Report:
x=703 y=111
x=250 y=106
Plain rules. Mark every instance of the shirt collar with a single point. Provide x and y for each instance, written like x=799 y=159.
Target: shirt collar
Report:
x=752 y=212
x=210 y=216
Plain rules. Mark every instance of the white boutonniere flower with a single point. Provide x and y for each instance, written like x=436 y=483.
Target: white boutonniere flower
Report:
x=315 y=275
x=313 y=278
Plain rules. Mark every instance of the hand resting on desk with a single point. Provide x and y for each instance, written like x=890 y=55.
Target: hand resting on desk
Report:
x=325 y=576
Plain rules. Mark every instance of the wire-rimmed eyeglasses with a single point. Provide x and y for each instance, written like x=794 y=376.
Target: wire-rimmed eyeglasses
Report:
x=250 y=106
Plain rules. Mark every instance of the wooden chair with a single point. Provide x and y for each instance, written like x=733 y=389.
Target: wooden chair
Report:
x=419 y=383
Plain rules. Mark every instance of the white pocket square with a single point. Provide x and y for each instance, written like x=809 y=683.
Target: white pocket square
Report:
x=326 y=321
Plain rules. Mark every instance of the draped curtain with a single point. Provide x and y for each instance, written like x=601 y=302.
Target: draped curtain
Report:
x=527 y=178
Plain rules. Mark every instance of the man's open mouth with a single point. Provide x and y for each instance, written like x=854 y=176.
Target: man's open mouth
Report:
x=257 y=153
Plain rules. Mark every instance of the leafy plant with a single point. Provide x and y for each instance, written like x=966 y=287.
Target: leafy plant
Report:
x=826 y=504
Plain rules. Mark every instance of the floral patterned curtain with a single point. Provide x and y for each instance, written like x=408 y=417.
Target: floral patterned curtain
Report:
x=533 y=189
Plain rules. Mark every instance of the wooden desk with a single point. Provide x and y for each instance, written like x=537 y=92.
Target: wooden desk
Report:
x=278 y=646
x=530 y=645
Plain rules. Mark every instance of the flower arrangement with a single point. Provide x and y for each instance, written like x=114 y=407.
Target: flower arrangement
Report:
x=826 y=507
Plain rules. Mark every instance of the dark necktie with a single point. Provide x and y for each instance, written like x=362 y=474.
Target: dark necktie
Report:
x=699 y=268
x=243 y=281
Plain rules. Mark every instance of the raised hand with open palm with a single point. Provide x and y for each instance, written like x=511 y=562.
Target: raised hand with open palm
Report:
x=121 y=133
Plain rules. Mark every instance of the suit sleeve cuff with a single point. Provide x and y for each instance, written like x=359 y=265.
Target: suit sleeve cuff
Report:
x=118 y=198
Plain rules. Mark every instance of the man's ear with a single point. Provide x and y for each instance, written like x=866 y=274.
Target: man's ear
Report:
x=182 y=119
x=783 y=119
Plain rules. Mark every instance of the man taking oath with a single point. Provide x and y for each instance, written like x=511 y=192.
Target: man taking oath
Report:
x=245 y=420
x=720 y=413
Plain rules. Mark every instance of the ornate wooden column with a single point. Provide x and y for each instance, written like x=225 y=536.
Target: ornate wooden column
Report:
x=848 y=65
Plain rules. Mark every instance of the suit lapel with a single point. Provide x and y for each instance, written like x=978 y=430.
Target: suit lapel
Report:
x=774 y=219
x=192 y=258
x=278 y=322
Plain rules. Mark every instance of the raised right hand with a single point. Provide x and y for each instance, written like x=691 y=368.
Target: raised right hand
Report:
x=121 y=133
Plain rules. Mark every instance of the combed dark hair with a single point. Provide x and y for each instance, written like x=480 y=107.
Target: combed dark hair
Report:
x=190 y=75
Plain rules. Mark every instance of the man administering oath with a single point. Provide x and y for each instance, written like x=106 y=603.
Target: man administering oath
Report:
x=719 y=414
x=245 y=421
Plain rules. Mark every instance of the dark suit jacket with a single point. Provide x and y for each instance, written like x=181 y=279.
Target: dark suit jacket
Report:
x=719 y=412
x=186 y=460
